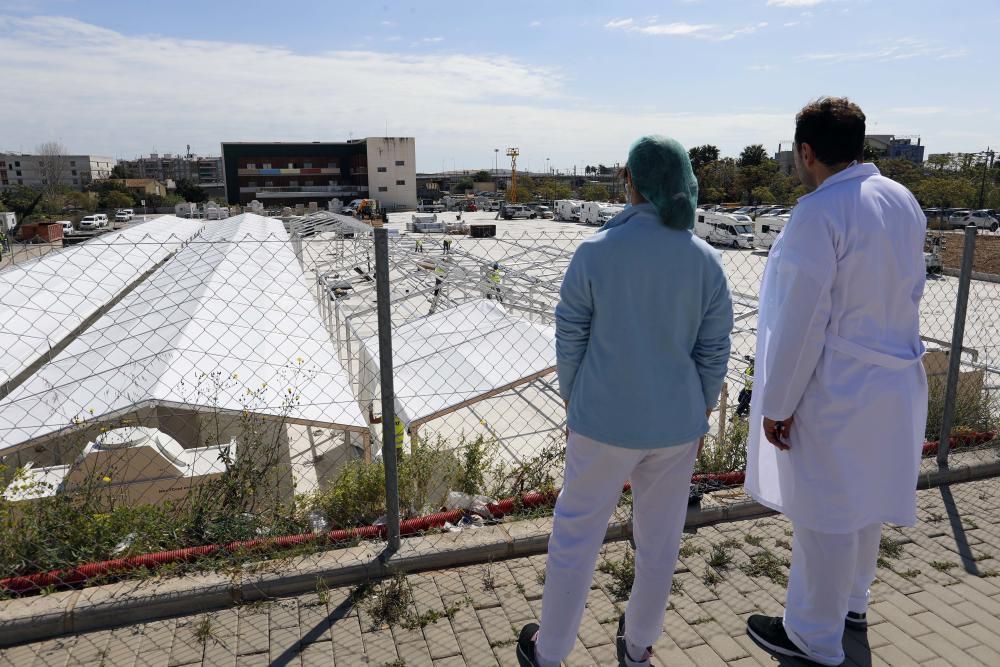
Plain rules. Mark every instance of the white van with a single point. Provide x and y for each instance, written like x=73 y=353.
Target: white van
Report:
x=568 y=210
x=598 y=213
x=96 y=221
x=766 y=229
x=724 y=229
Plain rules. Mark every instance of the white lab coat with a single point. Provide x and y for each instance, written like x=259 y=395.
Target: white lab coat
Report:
x=838 y=348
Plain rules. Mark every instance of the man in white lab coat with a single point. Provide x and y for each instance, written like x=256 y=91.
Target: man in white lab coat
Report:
x=840 y=397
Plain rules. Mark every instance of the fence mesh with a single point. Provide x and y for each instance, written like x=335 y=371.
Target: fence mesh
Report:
x=211 y=397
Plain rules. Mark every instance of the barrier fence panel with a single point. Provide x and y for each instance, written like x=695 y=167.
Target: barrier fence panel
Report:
x=217 y=401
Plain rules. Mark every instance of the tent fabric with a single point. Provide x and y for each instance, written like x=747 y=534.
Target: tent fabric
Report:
x=44 y=300
x=229 y=323
x=457 y=355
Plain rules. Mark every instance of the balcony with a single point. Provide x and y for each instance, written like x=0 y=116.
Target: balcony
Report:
x=304 y=191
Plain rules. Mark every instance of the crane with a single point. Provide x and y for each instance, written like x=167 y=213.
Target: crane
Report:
x=512 y=191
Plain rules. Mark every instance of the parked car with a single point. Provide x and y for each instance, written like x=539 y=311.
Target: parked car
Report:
x=981 y=218
x=67 y=227
x=512 y=211
x=124 y=215
x=543 y=212
x=95 y=221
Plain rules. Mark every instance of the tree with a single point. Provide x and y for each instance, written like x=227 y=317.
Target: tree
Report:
x=702 y=155
x=901 y=171
x=945 y=192
x=462 y=186
x=756 y=176
x=711 y=195
x=594 y=192
x=113 y=199
x=552 y=189
x=752 y=155
x=118 y=171
x=762 y=195
x=192 y=192
x=525 y=188
x=482 y=176
x=53 y=165
x=82 y=200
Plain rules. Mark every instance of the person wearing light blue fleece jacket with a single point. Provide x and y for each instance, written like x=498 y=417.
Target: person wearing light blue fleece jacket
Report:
x=642 y=345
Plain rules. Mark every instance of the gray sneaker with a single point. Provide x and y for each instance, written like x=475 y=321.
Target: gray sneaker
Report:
x=624 y=659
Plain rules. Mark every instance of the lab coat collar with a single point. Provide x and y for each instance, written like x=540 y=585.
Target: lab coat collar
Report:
x=854 y=170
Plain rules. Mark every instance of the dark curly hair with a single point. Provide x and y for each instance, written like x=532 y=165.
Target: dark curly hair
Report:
x=834 y=127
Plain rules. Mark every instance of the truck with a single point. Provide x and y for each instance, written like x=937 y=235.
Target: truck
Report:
x=598 y=213
x=568 y=210
x=724 y=229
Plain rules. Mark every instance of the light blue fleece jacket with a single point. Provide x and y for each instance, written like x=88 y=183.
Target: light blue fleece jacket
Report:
x=642 y=333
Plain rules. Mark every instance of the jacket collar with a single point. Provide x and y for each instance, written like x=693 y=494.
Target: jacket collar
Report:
x=855 y=170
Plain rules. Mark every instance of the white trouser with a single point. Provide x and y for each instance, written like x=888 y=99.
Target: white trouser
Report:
x=830 y=576
x=595 y=474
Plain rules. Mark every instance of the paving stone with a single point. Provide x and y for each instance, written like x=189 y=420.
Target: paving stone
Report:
x=253 y=633
x=284 y=644
x=908 y=644
x=415 y=654
x=440 y=638
x=379 y=647
x=476 y=648
x=348 y=644
x=252 y=660
x=453 y=661
x=188 y=645
x=156 y=657
x=496 y=625
x=157 y=636
x=680 y=632
x=515 y=605
x=704 y=656
x=90 y=648
x=986 y=636
x=284 y=614
x=317 y=654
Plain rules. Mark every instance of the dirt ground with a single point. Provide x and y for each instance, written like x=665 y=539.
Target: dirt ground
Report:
x=987 y=259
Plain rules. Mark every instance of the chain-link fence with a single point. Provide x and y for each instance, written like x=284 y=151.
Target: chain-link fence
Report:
x=187 y=398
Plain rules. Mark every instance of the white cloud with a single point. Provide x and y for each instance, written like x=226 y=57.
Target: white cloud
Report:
x=388 y=23
x=432 y=40
x=761 y=68
x=790 y=24
x=900 y=49
x=681 y=29
x=534 y=24
x=793 y=3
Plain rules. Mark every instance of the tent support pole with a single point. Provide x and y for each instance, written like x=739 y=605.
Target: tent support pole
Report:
x=388 y=393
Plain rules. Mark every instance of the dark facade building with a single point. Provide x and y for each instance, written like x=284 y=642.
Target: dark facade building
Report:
x=286 y=174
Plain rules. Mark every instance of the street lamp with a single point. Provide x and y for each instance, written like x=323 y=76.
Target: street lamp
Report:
x=547 y=170
x=496 y=156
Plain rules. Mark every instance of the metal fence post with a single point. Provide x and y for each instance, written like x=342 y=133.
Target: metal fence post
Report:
x=957 y=339
x=388 y=393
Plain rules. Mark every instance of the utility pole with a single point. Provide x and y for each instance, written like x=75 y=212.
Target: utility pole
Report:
x=987 y=165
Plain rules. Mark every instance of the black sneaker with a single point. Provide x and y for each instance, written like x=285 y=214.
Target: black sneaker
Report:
x=769 y=633
x=526 y=645
x=624 y=659
x=856 y=621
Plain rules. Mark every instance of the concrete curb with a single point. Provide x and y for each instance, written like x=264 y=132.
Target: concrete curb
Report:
x=130 y=602
x=976 y=275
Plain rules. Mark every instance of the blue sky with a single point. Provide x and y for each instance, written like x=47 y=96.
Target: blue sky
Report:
x=574 y=82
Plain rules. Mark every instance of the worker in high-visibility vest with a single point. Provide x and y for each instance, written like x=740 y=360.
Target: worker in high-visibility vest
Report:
x=418 y=245
x=495 y=277
x=439 y=276
x=743 y=404
x=400 y=436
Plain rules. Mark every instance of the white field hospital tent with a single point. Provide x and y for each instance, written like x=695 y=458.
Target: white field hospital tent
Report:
x=44 y=302
x=458 y=357
x=227 y=325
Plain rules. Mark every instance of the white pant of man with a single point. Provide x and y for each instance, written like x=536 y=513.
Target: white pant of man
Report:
x=595 y=474
x=830 y=576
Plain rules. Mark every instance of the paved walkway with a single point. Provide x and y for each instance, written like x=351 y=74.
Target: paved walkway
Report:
x=936 y=602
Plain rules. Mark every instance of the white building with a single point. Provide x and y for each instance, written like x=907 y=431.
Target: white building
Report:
x=392 y=171
x=73 y=171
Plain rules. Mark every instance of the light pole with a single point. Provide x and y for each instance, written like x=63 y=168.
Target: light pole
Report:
x=547 y=171
x=496 y=157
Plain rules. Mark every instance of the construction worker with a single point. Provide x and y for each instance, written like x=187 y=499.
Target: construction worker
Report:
x=446 y=244
x=743 y=404
x=495 y=277
x=418 y=245
x=400 y=436
x=439 y=275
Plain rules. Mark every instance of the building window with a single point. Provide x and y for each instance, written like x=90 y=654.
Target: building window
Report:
x=41 y=164
x=17 y=163
x=74 y=172
x=72 y=163
x=251 y=165
x=307 y=165
x=268 y=184
x=381 y=170
x=399 y=163
x=293 y=182
x=19 y=173
x=291 y=165
x=400 y=182
x=20 y=182
x=75 y=181
x=382 y=188
x=309 y=182
x=267 y=165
